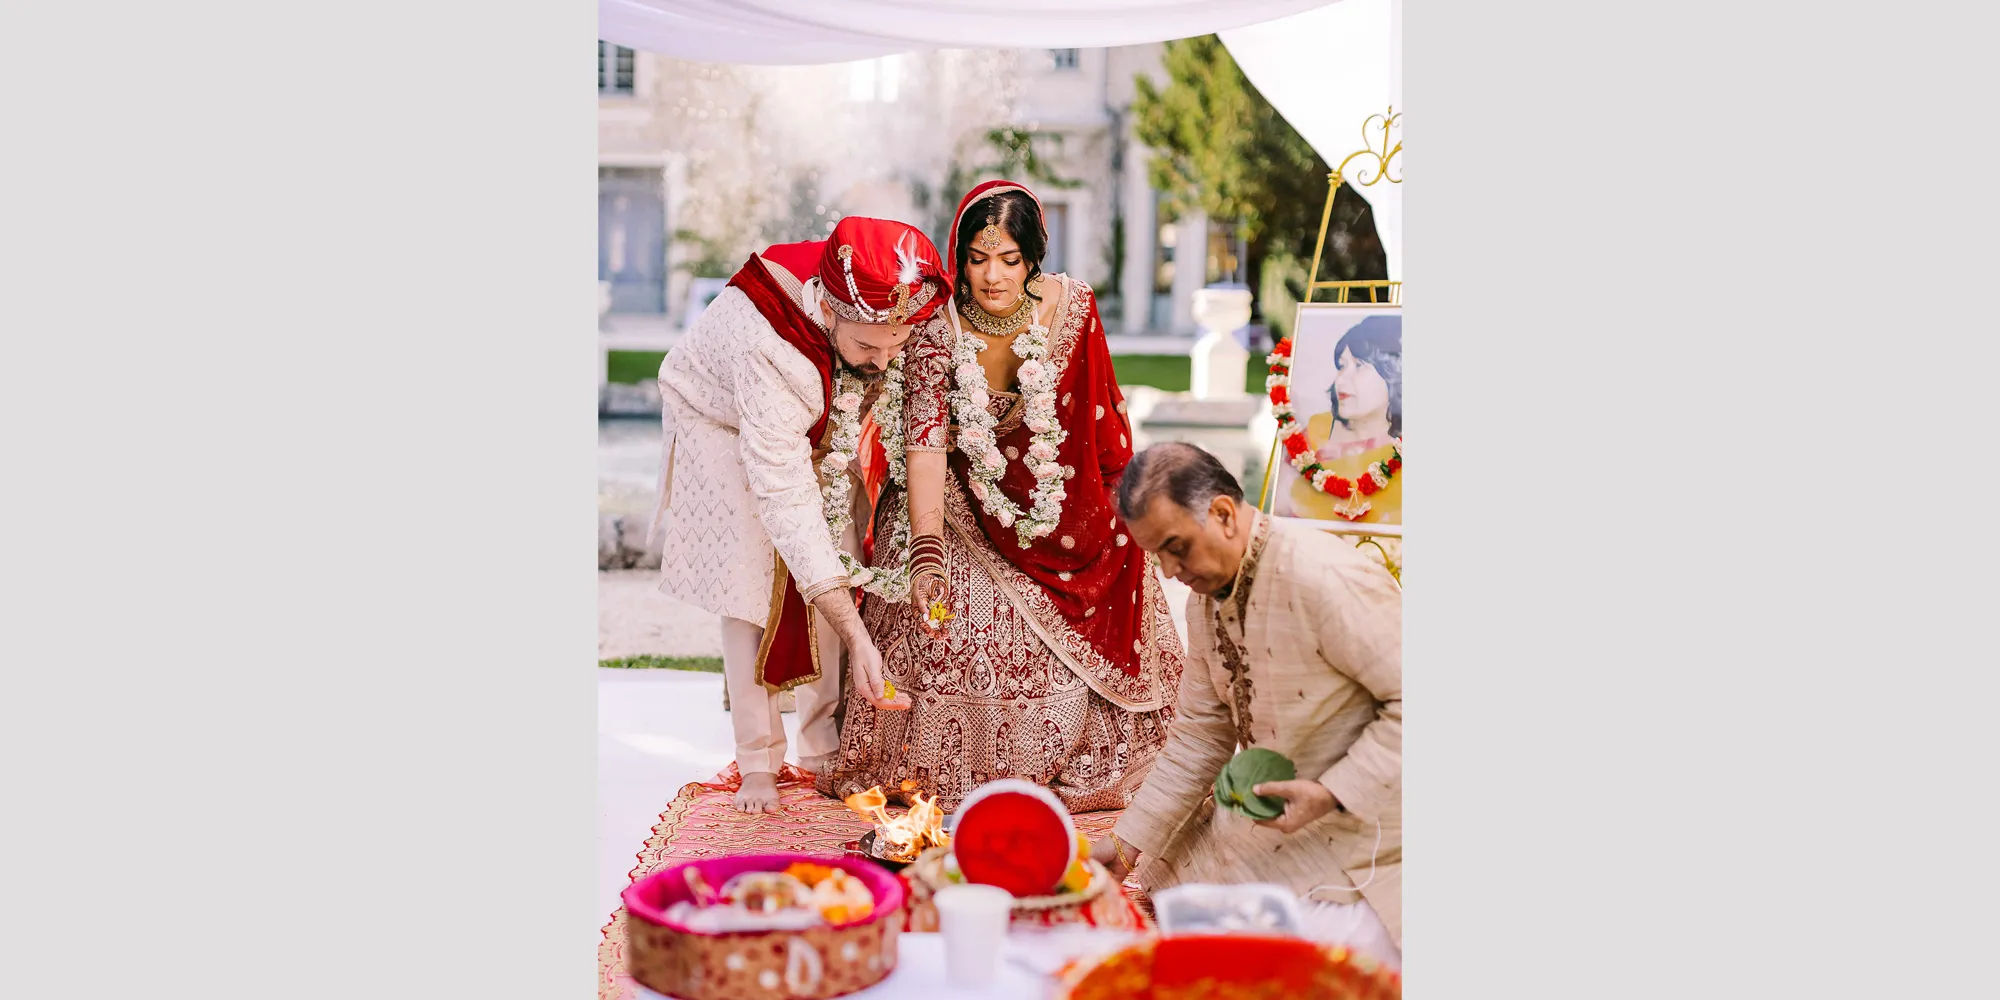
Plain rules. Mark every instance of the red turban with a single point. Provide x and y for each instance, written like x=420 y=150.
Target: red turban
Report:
x=878 y=271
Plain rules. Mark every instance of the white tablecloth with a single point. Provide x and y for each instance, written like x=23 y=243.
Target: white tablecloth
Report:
x=920 y=974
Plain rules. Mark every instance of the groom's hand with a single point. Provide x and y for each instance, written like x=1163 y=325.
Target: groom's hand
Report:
x=864 y=661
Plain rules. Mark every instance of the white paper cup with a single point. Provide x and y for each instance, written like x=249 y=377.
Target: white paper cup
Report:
x=973 y=920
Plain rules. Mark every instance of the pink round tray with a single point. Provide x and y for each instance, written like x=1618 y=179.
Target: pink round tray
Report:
x=668 y=957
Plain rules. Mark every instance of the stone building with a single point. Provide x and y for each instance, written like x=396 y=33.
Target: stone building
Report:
x=699 y=164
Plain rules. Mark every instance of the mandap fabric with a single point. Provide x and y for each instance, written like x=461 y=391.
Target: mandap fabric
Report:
x=780 y=32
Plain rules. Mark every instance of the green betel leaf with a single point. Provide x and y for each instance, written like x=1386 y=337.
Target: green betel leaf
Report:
x=1263 y=807
x=1225 y=790
x=1248 y=769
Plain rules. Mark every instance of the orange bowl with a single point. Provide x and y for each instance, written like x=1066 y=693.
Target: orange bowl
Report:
x=1230 y=967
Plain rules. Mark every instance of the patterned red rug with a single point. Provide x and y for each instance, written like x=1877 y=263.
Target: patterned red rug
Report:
x=700 y=823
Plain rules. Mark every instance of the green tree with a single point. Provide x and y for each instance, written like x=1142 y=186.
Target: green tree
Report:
x=1219 y=146
x=1020 y=158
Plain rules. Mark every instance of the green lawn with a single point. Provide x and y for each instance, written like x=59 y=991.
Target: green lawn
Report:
x=1166 y=372
x=1174 y=374
x=701 y=664
x=634 y=367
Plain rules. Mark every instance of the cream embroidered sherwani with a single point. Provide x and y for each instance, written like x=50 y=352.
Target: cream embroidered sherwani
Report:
x=737 y=482
x=1304 y=656
x=737 y=489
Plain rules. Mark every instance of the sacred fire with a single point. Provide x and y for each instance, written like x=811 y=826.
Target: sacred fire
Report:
x=901 y=838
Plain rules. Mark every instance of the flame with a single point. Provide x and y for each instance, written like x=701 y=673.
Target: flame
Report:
x=903 y=837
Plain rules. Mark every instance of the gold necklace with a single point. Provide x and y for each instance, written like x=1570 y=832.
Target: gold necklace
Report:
x=999 y=326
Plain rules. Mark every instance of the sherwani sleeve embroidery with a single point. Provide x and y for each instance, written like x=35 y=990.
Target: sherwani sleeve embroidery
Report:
x=1359 y=624
x=1201 y=742
x=775 y=418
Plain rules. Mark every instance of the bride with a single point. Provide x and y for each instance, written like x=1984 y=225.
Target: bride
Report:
x=1059 y=662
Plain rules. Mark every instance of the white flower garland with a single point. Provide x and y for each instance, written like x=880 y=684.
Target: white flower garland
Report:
x=976 y=441
x=890 y=582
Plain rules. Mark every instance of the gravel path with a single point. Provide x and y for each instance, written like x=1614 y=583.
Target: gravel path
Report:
x=634 y=618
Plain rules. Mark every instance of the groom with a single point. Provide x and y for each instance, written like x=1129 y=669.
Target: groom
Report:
x=747 y=407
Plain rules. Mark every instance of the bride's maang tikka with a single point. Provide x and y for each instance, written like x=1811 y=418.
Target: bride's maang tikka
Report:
x=991 y=237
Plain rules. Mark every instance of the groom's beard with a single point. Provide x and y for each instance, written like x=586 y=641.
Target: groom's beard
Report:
x=866 y=373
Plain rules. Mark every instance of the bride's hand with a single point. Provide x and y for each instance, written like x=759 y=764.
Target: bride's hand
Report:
x=924 y=591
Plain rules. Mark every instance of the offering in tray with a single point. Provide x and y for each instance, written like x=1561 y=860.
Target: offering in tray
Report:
x=837 y=896
x=803 y=895
x=766 y=892
x=1228 y=909
x=723 y=919
x=763 y=925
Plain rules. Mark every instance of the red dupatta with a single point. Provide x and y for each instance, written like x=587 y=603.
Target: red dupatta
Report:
x=1089 y=561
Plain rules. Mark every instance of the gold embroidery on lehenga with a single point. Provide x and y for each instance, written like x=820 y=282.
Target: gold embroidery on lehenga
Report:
x=1010 y=689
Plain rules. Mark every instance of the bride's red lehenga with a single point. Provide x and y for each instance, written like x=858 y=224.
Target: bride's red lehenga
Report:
x=1062 y=664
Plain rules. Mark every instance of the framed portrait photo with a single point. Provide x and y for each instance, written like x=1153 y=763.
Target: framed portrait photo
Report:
x=1346 y=398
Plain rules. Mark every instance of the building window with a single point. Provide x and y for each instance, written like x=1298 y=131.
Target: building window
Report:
x=614 y=68
x=1064 y=58
x=1165 y=249
x=1226 y=251
x=1055 y=217
x=631 y=239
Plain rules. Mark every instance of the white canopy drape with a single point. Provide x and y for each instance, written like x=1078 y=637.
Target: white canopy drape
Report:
x=1326 y=70
x=769 y=32
x=1325 y=66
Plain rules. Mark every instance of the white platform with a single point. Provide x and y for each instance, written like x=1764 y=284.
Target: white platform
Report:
x=657 y=730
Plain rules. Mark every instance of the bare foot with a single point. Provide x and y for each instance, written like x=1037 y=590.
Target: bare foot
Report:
x=759 y=793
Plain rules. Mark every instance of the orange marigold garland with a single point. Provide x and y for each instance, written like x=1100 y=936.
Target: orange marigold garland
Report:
x=1353 y=494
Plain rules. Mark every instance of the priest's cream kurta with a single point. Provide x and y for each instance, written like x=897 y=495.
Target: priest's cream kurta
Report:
x=1304 y=656
x=737 y=480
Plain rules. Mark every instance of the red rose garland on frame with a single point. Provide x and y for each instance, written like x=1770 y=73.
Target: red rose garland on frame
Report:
x=1353 y=494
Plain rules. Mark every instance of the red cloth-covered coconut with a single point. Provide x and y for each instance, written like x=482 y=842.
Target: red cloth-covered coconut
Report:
x=1016 y=835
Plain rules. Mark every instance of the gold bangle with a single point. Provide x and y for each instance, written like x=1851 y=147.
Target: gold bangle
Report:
x=1118 y=846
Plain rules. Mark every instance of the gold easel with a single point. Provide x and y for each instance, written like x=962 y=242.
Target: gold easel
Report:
x=1390 y=121
x=1385 y=123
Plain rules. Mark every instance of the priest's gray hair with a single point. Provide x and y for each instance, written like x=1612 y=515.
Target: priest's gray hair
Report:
x=1185 y=474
